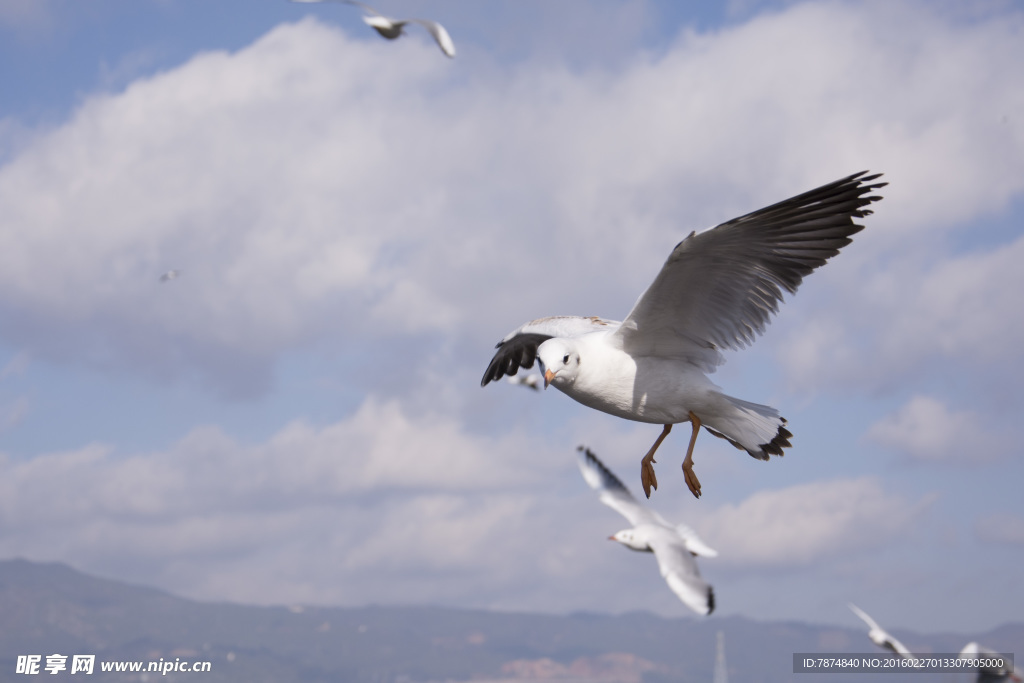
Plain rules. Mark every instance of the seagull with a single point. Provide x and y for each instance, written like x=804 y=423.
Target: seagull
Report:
x=717 y=290
x=392 y=28
x=988 y=674
x=879 y=636
x=170 y=275
x=530 y=381
x=673 y=546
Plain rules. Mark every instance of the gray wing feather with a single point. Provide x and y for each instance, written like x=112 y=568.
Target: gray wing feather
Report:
x=719 y=288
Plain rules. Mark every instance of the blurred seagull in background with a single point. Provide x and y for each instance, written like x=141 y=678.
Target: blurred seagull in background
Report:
x=673 y=546
x=531 y=381
x=393 y=28
x=170 y=275
x=989 y=674
x=880 y=636
x=718 y=290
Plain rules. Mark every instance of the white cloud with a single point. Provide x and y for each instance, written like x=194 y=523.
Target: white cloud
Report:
x=380 y=506
x=387 y=507
x=313 y=187
x=807 y=523
x=927 y=430
x=379 y=448
x=957 y=313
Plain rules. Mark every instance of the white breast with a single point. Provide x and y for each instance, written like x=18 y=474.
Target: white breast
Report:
x=645 y=389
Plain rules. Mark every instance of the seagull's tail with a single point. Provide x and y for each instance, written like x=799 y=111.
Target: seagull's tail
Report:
x=759 y=430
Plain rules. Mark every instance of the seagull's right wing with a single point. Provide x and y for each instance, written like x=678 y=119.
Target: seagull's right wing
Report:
x=519 y=348
x=612 y=491
x=444 y=41
x=679 y=569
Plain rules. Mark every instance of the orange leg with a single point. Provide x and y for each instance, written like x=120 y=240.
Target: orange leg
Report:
x=691 y=478
x=647 y=477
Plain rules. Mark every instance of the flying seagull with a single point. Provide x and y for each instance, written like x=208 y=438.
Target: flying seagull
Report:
x=392 y=28
x=879 y=636
x=989 y=674
x=170 y=275
x=717 y=290
x=673 y=546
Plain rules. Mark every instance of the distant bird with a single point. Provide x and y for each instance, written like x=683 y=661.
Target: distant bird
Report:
x=531 y=381
x=879 y=636
x=393 y=28
x=170 y=275
x=717 y=290
x=673 y=546
x=989 y=674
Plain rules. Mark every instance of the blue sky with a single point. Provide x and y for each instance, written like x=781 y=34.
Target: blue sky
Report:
x=297 y=418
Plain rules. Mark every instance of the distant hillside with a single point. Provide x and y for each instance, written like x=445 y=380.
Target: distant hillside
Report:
x=51 y=608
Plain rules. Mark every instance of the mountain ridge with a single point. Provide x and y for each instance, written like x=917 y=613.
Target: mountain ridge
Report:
x=50 y=608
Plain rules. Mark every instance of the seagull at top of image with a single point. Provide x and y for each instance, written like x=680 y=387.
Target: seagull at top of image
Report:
x=531 y=381
x=170 y=275
x=393 y=28
x=880 y=636
x=717 y=290
x=673 y=546
x=989 y=674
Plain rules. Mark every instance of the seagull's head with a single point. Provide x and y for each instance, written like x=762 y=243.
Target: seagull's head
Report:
x=559 y=361
x=629 y=538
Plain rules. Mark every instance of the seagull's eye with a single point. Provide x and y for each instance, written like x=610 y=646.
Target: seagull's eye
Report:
x=566 y=358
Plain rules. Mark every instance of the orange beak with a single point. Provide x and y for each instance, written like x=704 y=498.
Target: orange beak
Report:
x=548 y=376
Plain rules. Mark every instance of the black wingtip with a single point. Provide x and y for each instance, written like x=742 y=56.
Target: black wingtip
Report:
x=518 y=352
x=711 y=600
x=781 y=441
x=611 y=481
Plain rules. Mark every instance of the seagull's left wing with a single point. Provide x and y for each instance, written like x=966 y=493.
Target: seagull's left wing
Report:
x=719 y=288
x=612 y=491
x=444 y=41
